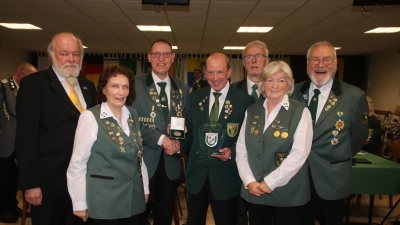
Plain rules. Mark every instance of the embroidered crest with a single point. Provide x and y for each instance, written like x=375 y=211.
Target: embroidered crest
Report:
x=279 y=157
x=232 y=129
x=211 y=139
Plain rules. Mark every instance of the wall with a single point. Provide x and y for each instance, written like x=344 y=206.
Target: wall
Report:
x=10 y=59
x=384 y=79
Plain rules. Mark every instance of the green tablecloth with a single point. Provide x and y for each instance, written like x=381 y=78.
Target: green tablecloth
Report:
x=381 y=177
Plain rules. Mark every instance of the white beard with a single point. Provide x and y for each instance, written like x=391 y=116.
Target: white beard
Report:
x=64 y=70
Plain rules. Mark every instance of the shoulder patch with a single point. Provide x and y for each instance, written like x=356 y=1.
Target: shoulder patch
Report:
x=4 y=81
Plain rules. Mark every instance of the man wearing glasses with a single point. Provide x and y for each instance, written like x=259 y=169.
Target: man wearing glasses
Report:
x=255 y=58
x=340 y=116
x=158 y=97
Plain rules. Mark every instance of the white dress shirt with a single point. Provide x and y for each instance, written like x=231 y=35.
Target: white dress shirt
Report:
x=301 y=147
x=85 y=136
x=167 y=91
x=77 y=89
x=250 y=87
x=221 y=98
x=322 y=97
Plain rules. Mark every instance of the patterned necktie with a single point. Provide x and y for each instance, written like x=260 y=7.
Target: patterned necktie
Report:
x=74 y=98
x=254 y=93
x=215 y=109
x=163 y=99
x=314 y=105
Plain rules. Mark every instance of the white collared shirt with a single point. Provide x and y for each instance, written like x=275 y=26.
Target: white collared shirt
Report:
x=85 y=136
x=167 y=87
x=322 y=98
x=250 y=87
x=221 y=98
x=77 y=89
x=302 y=141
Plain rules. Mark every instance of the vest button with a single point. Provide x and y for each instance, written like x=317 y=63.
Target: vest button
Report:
x=130 y=181
x=259 y=174
x=259 y=157
x=130 y=162
x=131 y=145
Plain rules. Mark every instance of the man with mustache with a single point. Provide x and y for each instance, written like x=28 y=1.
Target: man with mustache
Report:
x=340 y=117
x=48 y=106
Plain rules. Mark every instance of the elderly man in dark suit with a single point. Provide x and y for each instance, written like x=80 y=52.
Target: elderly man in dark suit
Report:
x=158 y=97
x=9 y=211
x=340 y=116
x=200 y=83
x=212 y=177
x=255 y=58
x=49 y=103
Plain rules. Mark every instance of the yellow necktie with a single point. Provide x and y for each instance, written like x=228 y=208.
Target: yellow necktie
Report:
x=75 y=99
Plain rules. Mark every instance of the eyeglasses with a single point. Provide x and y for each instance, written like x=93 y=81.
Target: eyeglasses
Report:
x=155 y=55
x=257 y=56
x=325 y=61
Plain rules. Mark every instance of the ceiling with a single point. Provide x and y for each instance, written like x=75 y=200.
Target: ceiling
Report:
x=206 y=26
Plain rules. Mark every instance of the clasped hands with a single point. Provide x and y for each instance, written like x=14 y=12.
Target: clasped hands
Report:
x=171 y=146
x=257 y=189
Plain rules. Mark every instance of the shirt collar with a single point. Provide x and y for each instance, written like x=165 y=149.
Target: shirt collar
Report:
x=224 y=90
x=105 y=112
x=250 y=84
x=157 y=79
x=284 y=103
x=325 y=90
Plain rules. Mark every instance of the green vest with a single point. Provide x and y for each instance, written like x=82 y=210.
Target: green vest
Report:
x=266 y=151
x=114 y=186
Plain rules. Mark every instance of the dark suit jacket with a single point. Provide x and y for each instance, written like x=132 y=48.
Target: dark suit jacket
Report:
x=224 y=178
x=8 y=119
x=143 y=105
x=330 y=165
x=46 y=125
x=201 y=84
x=242 y=85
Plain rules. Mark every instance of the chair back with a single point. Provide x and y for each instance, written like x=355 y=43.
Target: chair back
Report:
x=395 y=150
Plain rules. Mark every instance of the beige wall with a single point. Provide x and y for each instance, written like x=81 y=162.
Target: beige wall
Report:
x=10 y=59
x=384 y=79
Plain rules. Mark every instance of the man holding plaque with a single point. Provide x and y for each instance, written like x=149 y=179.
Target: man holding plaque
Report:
x=215 y=116
x=158 y=98
x=340 y=116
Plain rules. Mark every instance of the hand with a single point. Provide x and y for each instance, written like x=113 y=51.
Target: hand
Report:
x=254 y=189
x=167 y=145
x=177 y=146
x=83 y=214
x=224 y=156
x=265 y=188
x=146 y=197
x=34 y=196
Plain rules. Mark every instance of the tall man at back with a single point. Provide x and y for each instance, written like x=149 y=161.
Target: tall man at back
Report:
x=213 y=179
x=340 y=116
x=255 y=58
x=158 y=97
x=49 y=103
x=9 y=210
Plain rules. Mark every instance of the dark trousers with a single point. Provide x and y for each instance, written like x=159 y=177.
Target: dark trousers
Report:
x=162 y=196
x=133 y=220
x=54 y=211
x=224 y=211
x=272 y=215
x=9 y=182
x=328 y=212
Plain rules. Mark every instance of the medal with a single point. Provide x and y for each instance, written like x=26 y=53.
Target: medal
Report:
x=255 y=132
x=335 y=141
x=152 y=114
x=277 y=133
x=284 y=134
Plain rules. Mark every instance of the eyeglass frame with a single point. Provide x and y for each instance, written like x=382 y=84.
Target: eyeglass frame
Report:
x=324 y=60
x=257 y=56
x=156 y=55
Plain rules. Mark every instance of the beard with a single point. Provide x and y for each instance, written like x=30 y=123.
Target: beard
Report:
x=325 y=80
x=67 y=69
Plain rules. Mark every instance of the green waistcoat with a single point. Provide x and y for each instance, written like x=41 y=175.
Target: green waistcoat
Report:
x=266 y=151
x=114 y=186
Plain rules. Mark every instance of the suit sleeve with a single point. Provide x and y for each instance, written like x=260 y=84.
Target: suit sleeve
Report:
x=359 y=130
x=28 y=113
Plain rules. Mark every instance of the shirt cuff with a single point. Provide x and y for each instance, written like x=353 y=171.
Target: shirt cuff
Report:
x=79 y=206
x=160 y=139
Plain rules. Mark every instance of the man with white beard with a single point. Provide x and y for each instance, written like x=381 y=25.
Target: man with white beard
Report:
x=48 y=106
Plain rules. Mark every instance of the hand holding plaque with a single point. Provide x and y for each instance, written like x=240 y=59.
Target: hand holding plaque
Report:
x=211 y=139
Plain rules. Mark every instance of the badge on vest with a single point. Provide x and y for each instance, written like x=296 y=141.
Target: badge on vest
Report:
x=232 y=129
x=279 y=157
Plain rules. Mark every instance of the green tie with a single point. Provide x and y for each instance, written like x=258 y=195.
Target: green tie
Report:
x=254 y=93
x=314 y=105
x=163 y=99
x=215 y=109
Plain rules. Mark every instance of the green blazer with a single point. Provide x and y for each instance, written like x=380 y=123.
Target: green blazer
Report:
x=145 y=91
x=330 y=164
x=223 y=176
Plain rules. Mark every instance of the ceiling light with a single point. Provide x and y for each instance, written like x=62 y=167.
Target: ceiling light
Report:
x=254 y=29
x=337 y=48
x=234 y=47
x=174 y=47
x=25 y=26
x=384 y=30
x=154 y=28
